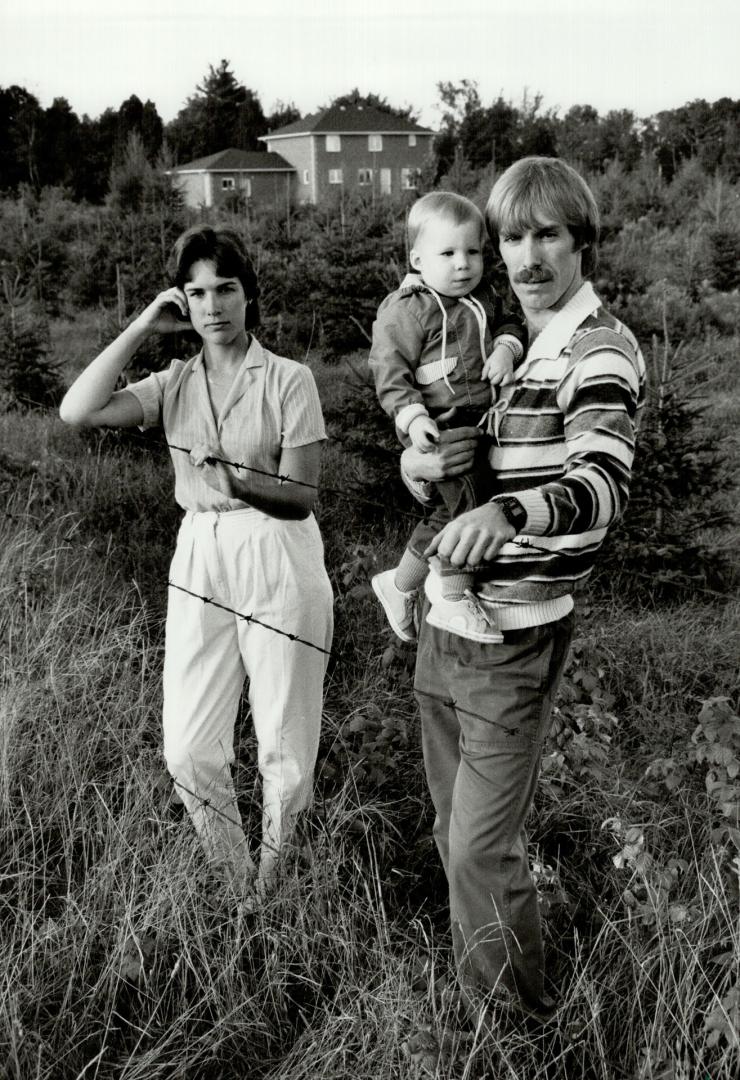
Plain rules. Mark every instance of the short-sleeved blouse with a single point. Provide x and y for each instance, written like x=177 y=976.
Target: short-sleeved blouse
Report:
x=273 y=405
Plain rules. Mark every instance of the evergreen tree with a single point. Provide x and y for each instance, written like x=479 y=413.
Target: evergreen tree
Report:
x=27 y=377
x=99 y=139
x=222 y=113
x=59 y=145
x=579 y=139
x=133 y=116
x=21 y=121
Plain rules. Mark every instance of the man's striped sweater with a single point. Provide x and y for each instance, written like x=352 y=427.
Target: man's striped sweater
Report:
x=564 y=444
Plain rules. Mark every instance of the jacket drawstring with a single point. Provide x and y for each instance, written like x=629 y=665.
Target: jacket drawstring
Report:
x=491 y=418
x=480 y=317
x=444 y=338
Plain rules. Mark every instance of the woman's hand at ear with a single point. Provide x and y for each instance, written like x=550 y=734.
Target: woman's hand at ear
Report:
x=166 y=314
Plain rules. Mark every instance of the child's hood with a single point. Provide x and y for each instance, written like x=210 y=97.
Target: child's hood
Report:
x=413 y=283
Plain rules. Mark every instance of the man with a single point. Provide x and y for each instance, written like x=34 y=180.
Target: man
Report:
x=562 y=454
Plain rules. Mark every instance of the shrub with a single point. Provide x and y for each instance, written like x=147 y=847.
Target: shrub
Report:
x=680 y=471
x=26 y=374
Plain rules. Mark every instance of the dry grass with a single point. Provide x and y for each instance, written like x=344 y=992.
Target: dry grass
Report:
x=120 y=959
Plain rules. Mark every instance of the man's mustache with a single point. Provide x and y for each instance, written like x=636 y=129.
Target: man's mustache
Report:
x=532 y=276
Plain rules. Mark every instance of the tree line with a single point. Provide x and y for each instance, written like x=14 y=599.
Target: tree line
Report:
x=44 y=147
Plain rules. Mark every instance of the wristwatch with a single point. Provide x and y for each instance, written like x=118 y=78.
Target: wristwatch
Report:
x=512 y=510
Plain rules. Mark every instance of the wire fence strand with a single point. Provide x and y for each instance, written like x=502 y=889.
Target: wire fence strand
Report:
x=285 y=479
x=252 y=619
x=351 y=496
x=249 y=618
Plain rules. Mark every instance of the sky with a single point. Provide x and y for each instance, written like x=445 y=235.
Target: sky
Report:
x=642 y=55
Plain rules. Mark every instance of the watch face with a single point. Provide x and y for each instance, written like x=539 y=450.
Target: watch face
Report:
x=513 y=511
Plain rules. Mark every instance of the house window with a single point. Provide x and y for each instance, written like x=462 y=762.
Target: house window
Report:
x=374 y=143
x=227 y=183
x=412 y=140
x=409 y=179
x=364 y=177
x=335 y=176
x=333 y=144
x=305 y=176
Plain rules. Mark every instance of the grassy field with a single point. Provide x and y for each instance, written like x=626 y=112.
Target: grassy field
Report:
x=119 y=959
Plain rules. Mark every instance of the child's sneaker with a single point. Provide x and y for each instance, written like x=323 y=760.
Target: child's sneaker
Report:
x=398 y=606
x=467 y=618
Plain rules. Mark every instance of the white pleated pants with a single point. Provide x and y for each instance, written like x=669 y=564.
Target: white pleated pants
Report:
x=273 y=570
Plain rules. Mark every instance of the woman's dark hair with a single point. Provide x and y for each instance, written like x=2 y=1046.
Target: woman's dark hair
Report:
x=226 y=250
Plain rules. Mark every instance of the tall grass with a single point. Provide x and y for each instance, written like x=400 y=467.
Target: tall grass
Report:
x=120 y=957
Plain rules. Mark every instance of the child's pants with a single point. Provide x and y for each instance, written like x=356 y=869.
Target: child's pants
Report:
x=456 y=495
x=274 y=570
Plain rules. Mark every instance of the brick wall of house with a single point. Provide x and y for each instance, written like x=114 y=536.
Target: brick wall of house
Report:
x=354 y=155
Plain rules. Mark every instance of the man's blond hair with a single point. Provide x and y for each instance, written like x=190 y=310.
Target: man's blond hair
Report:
x=536 y=190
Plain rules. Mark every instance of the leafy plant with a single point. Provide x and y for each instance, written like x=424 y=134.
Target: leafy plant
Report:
x=714 y=751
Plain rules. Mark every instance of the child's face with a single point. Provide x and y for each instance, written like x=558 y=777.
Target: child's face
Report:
x=449 y=256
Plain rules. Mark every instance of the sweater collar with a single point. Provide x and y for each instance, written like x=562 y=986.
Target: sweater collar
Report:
x=561 y=328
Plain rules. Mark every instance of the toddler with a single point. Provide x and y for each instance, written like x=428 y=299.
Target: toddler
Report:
x=441 y=340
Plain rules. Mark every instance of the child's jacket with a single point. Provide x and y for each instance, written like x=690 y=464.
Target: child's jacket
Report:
x=428 y=350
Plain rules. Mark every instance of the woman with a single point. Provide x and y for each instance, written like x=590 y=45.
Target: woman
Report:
x=248 y=542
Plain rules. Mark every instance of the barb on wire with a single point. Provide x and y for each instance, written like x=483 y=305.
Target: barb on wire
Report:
x=206 y=803
x=252 y=619
x=451 y=703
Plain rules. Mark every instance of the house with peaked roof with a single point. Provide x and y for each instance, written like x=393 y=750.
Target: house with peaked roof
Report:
x=260 y=176
x=351 y=148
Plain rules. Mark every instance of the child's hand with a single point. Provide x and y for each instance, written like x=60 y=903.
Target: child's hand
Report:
x=424 y=433
x=499 y=367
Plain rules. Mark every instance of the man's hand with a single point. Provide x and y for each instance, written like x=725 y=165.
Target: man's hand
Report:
x=473 y=538
x=452 y=456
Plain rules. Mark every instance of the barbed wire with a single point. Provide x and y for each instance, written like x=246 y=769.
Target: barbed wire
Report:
x=448 y=701
x=285 y=479
x=333 y=654
x=252 y=619
x=26 y=521
x=516 y=541
x=206 y=803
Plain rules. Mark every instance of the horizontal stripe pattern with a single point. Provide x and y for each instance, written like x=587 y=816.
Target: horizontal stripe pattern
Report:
x=564 y=446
